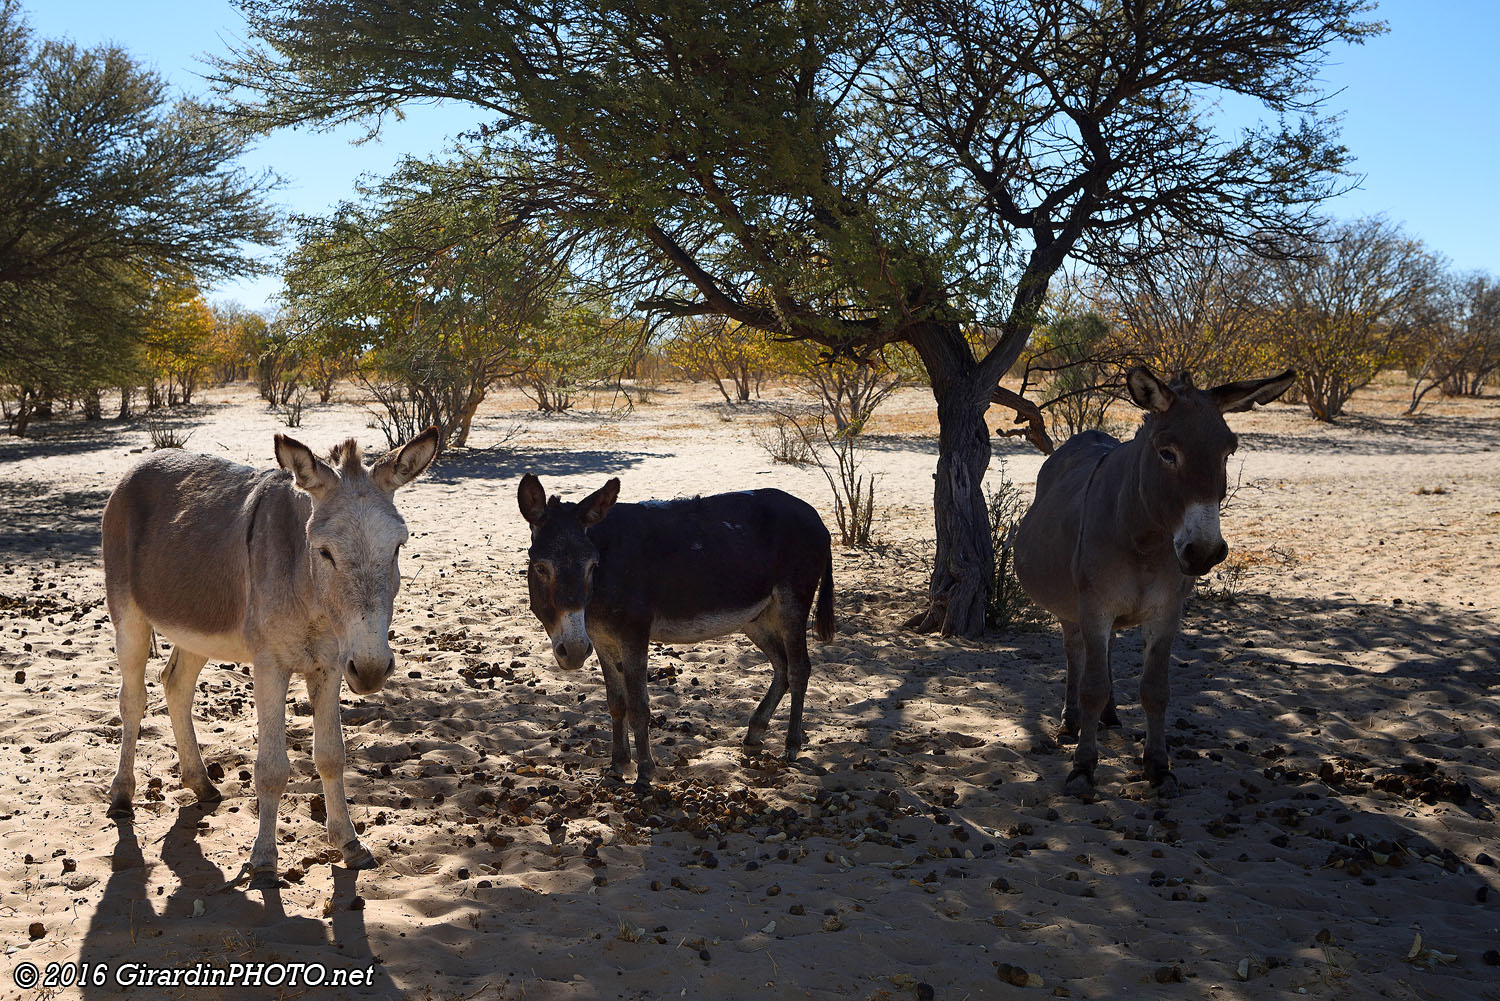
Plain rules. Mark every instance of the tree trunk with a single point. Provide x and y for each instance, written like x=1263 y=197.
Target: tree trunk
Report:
x=466 y=418
x=93 y=406
x=124 y=403
x=23 y=413
x=965 y=556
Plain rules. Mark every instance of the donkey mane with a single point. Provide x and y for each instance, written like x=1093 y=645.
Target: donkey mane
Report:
x=347 y=457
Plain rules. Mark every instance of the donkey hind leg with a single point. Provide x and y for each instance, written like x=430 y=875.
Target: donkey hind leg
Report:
x=271 y=767
x=1158 y=635
x=1111 y=714
x=614 y=693
x=793 y=623
x=132 y=645
x=1073 y=653
x=180 y=678
x=768 y=638
x=1093 y=695
x=638 y=709
x=328 y=755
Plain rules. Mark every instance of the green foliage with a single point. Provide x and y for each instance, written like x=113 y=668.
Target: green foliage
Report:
x=1076 y=353
x=428 y=288
x=106 y=188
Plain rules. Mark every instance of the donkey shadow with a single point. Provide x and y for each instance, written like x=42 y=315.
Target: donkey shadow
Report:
x=138 y=923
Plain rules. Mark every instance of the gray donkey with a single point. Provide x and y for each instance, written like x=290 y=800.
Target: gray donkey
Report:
x=293 y=570
x=1114 y=539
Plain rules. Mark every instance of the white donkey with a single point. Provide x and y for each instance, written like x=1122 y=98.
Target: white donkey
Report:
x=293 y=571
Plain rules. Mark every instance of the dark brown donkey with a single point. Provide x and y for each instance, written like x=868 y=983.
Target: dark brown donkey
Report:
x=1115 y=537
x=677 y=572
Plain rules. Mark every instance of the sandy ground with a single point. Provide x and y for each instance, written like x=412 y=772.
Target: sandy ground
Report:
x=1334 y=720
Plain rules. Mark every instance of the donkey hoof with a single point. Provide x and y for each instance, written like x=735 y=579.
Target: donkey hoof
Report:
x=121 y=809
x=357 y=856
x=1166 y=784
x=1080 y=784
x=755 y=737
x=641 y=786
x=1110 y=716
x=265 y=879
x=209 y=798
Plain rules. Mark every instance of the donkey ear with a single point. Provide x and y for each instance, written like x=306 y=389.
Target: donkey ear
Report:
x=400 y=466
x=308 y=471
x=593 y=508
x=532 y=499
x=1148 y=392
x=1235 y=396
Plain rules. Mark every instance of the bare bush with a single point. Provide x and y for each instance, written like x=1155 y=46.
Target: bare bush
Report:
x=836 y=454
x=1007 y=605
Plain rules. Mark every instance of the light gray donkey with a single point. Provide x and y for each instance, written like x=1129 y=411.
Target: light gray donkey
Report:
x=293 y=570
x=1114 y=539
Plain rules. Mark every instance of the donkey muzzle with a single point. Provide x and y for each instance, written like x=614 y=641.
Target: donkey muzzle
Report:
x=570 y=641
x=1198 y=558
x=370 y=676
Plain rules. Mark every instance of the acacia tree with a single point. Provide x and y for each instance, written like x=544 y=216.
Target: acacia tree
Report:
x=106 y=187
x=1346 y=305
x=426 y=278
x=717 y=349
x=1460 y=348
x=853 y=174
x=1192 y=308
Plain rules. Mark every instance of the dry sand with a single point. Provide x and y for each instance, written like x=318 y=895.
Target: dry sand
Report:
x=1347 y=657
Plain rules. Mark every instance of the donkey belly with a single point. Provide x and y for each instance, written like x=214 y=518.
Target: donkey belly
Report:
x=705 y=625
x=224 y=647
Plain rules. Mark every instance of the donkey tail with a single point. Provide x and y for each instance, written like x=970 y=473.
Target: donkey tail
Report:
x=825 y=599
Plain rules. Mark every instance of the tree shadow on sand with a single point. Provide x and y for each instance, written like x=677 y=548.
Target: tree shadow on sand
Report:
x=507 y=464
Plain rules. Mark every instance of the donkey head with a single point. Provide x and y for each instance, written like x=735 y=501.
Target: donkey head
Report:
x=1188 y=454
x=352 y=540
x=561 y=563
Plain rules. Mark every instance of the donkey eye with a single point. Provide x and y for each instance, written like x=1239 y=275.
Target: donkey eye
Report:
x=326 y=554
x=1169 y=456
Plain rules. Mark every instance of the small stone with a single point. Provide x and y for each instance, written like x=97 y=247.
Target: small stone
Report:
x=1169 y=974
x=69 y=865
x=1491 y=956
x=833 y=923
x=704 y=955
x=925 y=992
x=773 y=890
x=463 y=872
x=797 y=909
x=37 y=930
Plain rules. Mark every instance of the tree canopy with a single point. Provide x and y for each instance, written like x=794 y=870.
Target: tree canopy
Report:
x=851 y=174
x=106 y=186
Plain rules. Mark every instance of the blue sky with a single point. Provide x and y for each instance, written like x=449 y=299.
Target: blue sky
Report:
x=1419 y=107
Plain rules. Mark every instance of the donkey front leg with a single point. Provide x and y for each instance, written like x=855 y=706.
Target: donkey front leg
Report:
x=614 y=693
x=271 y=766
x=1158 y=634
x=638 y=710
x=1093 y=696
x=323 y=683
